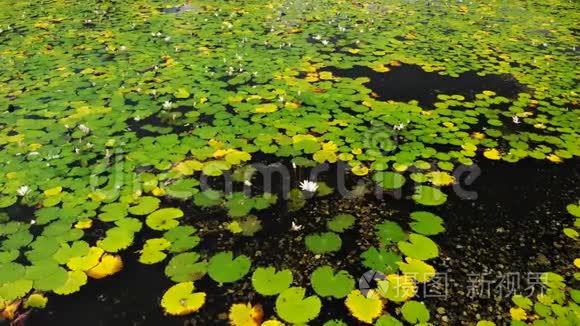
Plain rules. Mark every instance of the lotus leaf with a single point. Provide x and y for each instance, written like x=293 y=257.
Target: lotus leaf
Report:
x=381 y=260
x=328 y=284
x=364 y=308
x=164 y=219
x=397 y=288
x=245 y=315
x=36 y=301
x=388 y=320
x=340 y=222
x=293 y=307
x=186 y=267
x=267 y=281
x=419 y=247
x=109 y=265
x=389 y=180
x=389 y=232
x=429 y=196
x=417 y=269
x=224 y=268
x=322 y=243
x=180 y=299
x=415 y=312
x=145 y=205
x=152 y=251
x=426 y=223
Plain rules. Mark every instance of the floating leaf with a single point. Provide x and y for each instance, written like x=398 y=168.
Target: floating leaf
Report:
x=186 y=267
x=164 y=219
x=389 y=180
x=328 y=284
x=365 y=309
x=74 y=282
x=381 y=260
x=417 y=269
x=340 y=223
x=246 y=315
x=14 y=290
x=322 y=243
x=267 y=281
x=36 y=300
x=180 y=299
x=397 y=288
x=109 y=265
x=429 y=196
x=116 y=239
x=223 y=268
x=573 y=209
x=145 y=205
x=293 y=307
x=388 y=320
x=415 y=312
x=389 y=232
x=426 y=223
x=419 y=247
x=152 y=251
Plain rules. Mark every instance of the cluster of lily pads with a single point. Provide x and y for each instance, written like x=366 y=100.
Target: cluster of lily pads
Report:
x=293 y=305
x=113 y=115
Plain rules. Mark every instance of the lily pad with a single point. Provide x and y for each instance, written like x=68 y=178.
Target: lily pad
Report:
x=267 y=281
x=328 y=284
x=293 y=307
x=223 y=268
x=164 y=219
x=322 y=243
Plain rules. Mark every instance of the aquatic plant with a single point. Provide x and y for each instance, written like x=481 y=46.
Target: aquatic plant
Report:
x=293 y=307
x=364 y=308
x=267 y=281
x=326 y=283
x=340 y=223
x=322 y=243
x=180 y=299
x=224 y=268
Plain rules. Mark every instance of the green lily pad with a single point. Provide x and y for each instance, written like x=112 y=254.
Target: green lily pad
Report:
x=328 y=284
x=419 y=247
x=426 y=223
x=429 y=196
x=322 y=243
x=293 y=307
x=267 y=281
x=340 y=223
x=223 y=268
x=164 y=219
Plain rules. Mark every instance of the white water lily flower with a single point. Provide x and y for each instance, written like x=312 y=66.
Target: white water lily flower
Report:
x=325 y=42
x=399 y=126
x=22 y=191
x=247 y=183
x=296 y=227
x=309 y=186
x=167 y=105
x=86 y=130
x=516 y=119
x=33 y=222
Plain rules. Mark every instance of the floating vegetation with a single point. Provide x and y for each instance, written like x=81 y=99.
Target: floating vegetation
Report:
x=235 y=145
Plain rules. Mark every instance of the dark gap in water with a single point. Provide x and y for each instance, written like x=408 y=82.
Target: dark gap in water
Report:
x=410 y=82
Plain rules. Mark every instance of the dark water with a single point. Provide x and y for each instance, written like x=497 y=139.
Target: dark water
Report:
x=409 y=82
